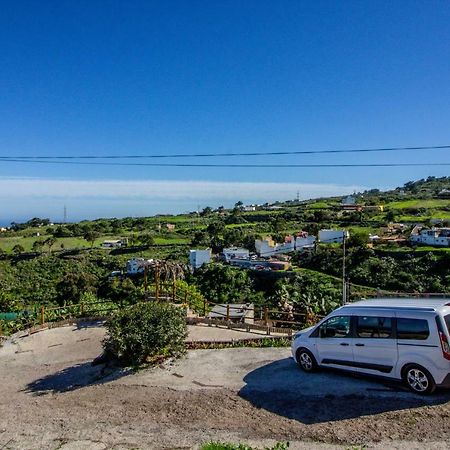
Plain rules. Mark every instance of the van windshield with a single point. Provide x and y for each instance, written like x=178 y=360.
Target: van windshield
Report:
x=447 y=322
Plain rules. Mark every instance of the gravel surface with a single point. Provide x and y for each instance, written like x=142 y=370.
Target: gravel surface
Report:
x=51 y=397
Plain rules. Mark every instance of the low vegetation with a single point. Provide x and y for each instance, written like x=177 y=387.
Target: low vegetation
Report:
x=146 y=333
x=228 y=446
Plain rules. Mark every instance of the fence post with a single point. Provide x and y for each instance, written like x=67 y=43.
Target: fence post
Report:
x=228 y=312
x=266 y=316
x=42 y=315
x=204 y=307
x=174 y=289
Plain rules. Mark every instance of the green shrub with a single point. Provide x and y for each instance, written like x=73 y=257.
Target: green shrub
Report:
x=194 y=297
x=146 y=332
x=228 y=446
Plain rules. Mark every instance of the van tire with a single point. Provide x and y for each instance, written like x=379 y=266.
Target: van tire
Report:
x=306 y=360
x=418 y=379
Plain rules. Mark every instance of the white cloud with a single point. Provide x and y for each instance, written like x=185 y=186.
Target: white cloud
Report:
x=164 y=189
x=22 y=198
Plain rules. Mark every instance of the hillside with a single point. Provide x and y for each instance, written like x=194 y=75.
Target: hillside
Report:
x=44 y=263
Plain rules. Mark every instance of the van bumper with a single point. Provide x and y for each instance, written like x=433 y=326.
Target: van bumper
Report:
x=445 y=382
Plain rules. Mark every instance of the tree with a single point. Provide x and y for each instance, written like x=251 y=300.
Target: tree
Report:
x=390 y=216
x=278 y=224
x=358 y=239
x=18 y=249
x=50 y=242
x=91 y=236
x=216 y=228
x=200 y=239
x=238 y=205
x=37 y=246
x=224 y=284
x=73 y=284
x=121 y=291
x=147 y=239
x=206 y=211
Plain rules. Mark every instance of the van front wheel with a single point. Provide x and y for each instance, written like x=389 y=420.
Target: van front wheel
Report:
x=306 y=360
x=418 y=379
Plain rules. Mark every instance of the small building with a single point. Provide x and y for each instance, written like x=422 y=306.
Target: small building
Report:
x=333 y=236
x=116 y=243
x=348 y=201
x=137 y=265
x=235 y=312
x=235 y=253
x=267 y=247
x=444 y=193
x=249 y=208
x=199 y=257
x=435 y=237
x=170 y=226
x=304 y=241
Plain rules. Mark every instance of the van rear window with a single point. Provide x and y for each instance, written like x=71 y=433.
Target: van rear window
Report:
x=412 y=329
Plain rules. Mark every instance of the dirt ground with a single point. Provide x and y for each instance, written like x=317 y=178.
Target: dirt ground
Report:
x=52 y=398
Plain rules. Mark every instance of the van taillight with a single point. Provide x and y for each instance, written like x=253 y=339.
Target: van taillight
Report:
x=445 y=346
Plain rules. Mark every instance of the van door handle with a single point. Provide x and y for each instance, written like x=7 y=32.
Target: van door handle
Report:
x=359 y=345
x=344 y=344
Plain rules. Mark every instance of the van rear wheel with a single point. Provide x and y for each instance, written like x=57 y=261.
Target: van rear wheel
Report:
x=418 y=379
x=306 y=360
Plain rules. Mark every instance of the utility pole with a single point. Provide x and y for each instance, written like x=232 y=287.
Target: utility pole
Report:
x=344 y=284
x=65 y=214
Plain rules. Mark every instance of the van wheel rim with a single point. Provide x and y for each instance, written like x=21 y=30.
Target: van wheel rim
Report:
x=417 y=380
x=306 y=361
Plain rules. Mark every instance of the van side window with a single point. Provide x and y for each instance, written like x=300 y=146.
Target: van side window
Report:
x=374 y=327
x=447 y=322
x=412 y=329
x=335 y=327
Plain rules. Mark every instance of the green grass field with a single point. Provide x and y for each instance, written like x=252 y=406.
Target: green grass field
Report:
x=69 y=243
x=416 y=203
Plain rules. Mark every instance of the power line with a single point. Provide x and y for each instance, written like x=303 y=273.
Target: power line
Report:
x=39 y=161
x=230 y=154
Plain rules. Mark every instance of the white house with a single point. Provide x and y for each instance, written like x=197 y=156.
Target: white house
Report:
x=436 y=237
x=349 y=200
x=136 y=265
x=235 y=253
x=333 y=236
x=199 y=257
x=304 y=241
x=268 y=247
x=116 y=243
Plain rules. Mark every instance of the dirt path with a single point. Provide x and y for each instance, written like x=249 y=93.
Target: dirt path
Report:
x=51 y=397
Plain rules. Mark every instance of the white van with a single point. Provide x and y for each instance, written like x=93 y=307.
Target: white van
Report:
x=404 y=339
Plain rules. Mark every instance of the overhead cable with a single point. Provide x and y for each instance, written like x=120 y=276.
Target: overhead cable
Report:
x=231 y=154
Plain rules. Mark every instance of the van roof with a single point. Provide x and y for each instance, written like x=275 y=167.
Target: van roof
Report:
x=400 y=303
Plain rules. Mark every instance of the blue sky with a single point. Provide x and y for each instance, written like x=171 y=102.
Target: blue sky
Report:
x=113 y=77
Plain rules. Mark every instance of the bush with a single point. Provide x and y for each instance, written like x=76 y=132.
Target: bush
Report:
x=146 y=332
x=194 y=297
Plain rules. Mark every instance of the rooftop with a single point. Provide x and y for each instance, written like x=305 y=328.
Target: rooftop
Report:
x=396 y=302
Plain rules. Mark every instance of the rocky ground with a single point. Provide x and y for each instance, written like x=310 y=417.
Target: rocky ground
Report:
x=51 y=397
